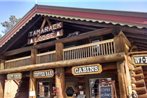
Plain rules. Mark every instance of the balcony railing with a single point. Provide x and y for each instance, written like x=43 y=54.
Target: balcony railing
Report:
x=46 y=57
x=90 y=50
x=106 y=47
x=18 y=62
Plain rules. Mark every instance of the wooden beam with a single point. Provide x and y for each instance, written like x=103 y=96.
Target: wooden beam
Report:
x=136 y=36
x=68 y=63
x=2 y=85
x=60 y=73
x=121 y=80
x=98 y=32
x=32 y=85
x=138 y=41
x=140 y=45
x=134 y=30
x=2 y=64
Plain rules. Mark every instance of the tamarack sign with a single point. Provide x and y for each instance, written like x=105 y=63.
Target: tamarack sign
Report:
x=87 y=69
x=140 y=59
x=46 y=33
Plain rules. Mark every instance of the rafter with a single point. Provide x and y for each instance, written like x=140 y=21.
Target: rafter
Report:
x=134 y=30
x=21 y=34
x=136 y=36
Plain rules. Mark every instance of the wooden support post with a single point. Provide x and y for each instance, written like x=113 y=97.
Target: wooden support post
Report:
x=32 y=88
x=2 y=64
x=60 y=77
x=2 y=85
x=121 y=79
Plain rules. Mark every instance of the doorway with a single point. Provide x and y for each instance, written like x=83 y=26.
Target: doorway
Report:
x=45 y=88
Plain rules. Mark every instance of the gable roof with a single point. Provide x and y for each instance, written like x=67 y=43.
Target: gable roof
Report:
x=130 y=19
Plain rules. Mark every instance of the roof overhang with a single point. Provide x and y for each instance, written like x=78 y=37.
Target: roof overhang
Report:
x=131 y=19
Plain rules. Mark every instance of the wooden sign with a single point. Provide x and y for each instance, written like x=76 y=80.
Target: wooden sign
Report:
x=139 y=59
x=49 y=32
x=14 y=76
x=43 y=73
x=87 y=69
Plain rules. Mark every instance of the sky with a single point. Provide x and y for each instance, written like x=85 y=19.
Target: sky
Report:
x=20 y=7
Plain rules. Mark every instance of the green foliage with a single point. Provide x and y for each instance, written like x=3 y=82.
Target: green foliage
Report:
x=8 y=25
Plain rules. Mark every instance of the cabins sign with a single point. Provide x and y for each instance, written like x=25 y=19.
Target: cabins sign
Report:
x=87 y=69
x=14 y=76
x=43 y=73
x=139 y=59
x=46 y=33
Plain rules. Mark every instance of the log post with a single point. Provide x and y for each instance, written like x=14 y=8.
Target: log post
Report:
x=2 y=85
x=32 y=88
x=121 y=80
x=60 y=77
x=2 y=64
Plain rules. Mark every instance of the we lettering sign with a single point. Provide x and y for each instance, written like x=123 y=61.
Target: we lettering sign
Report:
x=139 y=59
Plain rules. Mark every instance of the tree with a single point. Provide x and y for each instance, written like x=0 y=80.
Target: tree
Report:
x=8 y=25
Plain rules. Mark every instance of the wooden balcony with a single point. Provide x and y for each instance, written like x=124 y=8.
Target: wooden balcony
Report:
x=18 y=62
x=106 y=47
x=90 y=50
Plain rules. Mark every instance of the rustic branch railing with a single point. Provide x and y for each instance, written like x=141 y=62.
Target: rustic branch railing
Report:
x=106 y=47
x=18 y=62
x=46 y=57
x=90 y=50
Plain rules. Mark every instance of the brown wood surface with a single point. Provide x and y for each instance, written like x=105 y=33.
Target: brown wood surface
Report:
x=32 y=86
x=68 y=63
x=60 y=74
x=120 y=43
x=121 y=80
x=2 y=64
x=2 y=85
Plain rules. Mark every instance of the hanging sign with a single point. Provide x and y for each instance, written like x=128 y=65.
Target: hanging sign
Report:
x=43 y=73
x=48 y=32
x=87 y=69
x=139 y=59
x=14 y=76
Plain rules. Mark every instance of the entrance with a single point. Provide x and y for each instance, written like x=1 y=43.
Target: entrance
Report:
x=75 y=87
x=45 y=88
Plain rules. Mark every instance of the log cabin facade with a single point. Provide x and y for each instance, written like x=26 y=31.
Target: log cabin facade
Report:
x=57 y=52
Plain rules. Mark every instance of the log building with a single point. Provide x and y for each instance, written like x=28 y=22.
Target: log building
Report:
x=57 y=52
